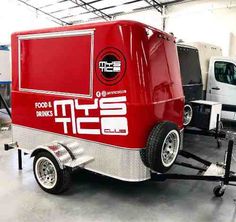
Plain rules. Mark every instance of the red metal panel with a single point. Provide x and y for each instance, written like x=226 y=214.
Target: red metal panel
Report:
x=148 y=87
x=60 y=64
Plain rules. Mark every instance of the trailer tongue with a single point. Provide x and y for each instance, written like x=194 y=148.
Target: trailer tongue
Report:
x=209 y=171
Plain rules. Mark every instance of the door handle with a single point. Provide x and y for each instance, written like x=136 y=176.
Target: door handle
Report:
x=216 y=88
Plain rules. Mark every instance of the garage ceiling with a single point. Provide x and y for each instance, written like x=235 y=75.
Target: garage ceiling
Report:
x=67 y=12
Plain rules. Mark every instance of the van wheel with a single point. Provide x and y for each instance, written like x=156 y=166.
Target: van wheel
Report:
x=188 y=114
x=163 y=146
x=48 y=174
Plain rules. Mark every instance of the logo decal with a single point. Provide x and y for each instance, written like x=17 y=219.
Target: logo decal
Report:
x=110 y=66
x=105 y=115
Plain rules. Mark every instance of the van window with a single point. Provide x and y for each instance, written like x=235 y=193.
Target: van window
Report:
x=225 y=72
x=189 y=66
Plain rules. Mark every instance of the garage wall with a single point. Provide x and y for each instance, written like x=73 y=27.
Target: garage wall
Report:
x=17 y=17
x=150 y=17
x=232 y=50
x=207 y=21
x=200 y=20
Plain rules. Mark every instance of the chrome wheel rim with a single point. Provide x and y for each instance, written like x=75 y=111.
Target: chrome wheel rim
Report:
x=188 y=114
x=46 y=172
x=170 y=148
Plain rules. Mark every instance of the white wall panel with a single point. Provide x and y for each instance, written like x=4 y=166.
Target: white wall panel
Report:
x=17 y=17
x=207 y=21
x=232 y=48
x=151 y=17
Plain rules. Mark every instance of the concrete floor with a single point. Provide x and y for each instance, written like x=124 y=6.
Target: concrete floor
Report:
x=97 y=198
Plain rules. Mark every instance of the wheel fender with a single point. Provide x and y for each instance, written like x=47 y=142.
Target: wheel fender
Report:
x=53 y=149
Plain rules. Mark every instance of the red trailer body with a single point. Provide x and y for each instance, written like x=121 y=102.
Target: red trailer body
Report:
x=105 y=85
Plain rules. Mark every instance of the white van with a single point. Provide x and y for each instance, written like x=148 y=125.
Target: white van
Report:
x=191 y=78
x=221 y=86
x=206 y=52
x=218 y=77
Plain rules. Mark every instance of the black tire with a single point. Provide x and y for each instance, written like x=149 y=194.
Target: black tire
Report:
x=155 y=145
x=144 y=158
x=218 y=192
x=188 y=108
x=63 y=175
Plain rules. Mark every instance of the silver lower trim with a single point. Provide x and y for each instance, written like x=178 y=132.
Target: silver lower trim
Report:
x=71 y=137
x=123 y=164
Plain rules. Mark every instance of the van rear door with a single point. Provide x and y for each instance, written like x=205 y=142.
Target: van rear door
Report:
x=190 y=72
x=222 y=85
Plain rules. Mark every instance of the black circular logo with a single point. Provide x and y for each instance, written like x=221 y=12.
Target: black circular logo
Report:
x=110 y=66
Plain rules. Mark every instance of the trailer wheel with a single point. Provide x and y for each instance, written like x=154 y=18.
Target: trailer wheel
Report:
x=163 y=146
x=188 y=114
x=48 y=174
x=218 y=191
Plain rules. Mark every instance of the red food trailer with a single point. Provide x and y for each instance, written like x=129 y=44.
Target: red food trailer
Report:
x=106 y=97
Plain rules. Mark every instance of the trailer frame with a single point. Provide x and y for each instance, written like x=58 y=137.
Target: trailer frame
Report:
x=228 y=178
